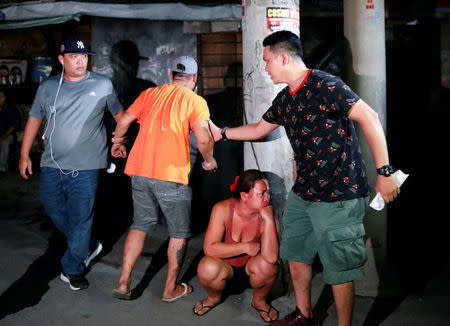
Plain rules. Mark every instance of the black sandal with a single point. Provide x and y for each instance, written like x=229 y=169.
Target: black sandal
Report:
x=203 y=307
x=266 y=312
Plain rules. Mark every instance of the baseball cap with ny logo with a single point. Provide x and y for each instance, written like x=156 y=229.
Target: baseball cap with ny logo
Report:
x=74 y=44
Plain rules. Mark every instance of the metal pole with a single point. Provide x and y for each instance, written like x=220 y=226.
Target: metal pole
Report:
x=273 y=155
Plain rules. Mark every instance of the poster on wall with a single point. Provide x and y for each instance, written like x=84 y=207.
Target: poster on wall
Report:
x=12 y=72
x=279 y=19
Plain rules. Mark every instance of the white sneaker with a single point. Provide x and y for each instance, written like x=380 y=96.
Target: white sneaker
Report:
x=94 y=253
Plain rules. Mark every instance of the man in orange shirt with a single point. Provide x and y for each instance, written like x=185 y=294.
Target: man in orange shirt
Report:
x=159 y=165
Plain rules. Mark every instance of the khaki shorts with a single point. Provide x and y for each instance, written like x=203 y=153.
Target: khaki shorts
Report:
x=333 y=230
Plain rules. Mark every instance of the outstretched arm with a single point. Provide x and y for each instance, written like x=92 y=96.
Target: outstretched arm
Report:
x=252 y=131
x=374 y=133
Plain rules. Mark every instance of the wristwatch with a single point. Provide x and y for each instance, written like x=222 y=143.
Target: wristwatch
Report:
x=222 y=132
x=385 y=170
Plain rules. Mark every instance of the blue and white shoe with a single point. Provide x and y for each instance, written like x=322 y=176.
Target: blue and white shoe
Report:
x=76 y=282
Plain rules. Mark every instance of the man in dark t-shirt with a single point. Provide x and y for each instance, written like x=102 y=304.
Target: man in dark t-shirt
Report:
x=324 y=211
x=328 y=159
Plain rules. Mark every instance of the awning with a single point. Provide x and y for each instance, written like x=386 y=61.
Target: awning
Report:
x=36 y=14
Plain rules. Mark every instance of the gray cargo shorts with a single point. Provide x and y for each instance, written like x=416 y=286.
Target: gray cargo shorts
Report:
x=174 y=200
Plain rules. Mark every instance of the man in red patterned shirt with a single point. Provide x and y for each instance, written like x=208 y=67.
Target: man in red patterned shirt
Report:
x=324 y=211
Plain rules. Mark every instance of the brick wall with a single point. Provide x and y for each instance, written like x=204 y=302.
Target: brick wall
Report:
x=220 y=60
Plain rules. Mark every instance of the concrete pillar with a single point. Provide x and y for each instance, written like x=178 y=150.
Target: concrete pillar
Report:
x=364 y=29
x=274 y=154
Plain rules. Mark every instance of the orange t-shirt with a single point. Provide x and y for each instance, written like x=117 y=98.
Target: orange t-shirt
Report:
x=165 y=114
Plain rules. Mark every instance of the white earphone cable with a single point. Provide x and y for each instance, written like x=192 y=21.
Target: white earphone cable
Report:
x=53 y=113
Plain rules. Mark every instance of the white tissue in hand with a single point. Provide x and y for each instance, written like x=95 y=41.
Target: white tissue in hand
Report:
x=378 y=202
x=112 y=168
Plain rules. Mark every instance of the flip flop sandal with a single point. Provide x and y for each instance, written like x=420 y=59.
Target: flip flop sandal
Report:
x=121 y=295
x=266 y=312
x=185 y=292
x=203 y=307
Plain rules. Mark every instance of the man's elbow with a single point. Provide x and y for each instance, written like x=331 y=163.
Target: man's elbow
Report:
x=373 y=114
x=205 y=142
x=204 y=139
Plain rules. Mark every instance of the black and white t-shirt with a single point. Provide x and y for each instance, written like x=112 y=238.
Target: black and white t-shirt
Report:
x=326 y=148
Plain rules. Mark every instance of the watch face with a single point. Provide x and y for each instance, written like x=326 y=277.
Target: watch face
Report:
x=386 y=170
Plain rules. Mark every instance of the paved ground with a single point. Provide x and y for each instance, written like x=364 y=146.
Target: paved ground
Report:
x=32 y=294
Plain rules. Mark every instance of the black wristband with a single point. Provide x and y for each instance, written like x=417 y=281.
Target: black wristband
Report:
x=222 y=132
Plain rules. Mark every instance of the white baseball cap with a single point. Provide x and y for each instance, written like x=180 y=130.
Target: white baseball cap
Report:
x=185 y=65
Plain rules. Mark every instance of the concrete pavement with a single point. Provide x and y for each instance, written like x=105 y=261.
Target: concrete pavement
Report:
x=32 y=294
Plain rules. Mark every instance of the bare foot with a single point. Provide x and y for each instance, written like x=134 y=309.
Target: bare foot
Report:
x=124 y=286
